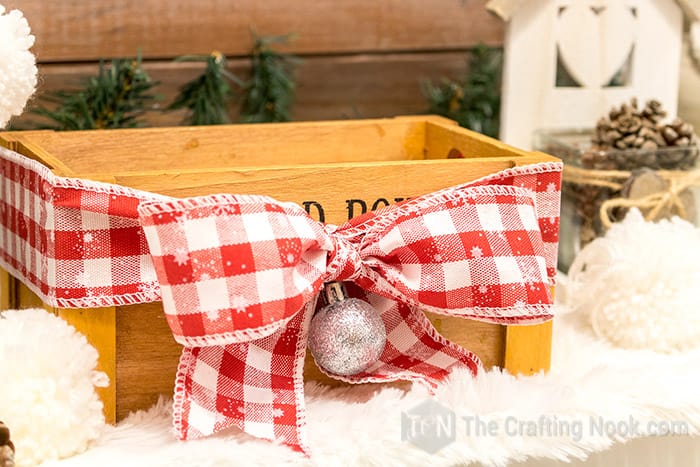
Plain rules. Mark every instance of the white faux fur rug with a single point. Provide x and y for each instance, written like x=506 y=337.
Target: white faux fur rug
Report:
x=590 y=383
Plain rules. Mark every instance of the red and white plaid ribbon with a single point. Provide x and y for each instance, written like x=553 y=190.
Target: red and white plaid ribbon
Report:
x=75 y=243
x=238 y=276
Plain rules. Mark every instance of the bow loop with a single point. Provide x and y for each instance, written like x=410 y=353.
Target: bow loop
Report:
x=471 y=251
x=233 y=268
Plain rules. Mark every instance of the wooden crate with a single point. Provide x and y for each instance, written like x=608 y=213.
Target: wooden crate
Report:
x=334 y=169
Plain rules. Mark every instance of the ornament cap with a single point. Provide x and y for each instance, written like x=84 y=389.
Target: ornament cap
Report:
x=334 y=292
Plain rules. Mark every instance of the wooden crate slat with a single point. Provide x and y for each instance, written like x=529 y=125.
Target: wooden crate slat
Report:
x=368 y=186
x=146 y=346
x=81 y=30
x=227 y=146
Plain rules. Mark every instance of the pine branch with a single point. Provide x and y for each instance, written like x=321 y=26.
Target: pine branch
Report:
x=206 y=97
x=115 y=98
x=269 y=94
x=475 y=102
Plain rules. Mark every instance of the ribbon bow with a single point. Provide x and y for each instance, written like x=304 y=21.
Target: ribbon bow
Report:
x=239 y=277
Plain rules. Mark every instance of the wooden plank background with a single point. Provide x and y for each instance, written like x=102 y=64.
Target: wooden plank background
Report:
x=73 y=30
x=361 y=58
x=340 y=87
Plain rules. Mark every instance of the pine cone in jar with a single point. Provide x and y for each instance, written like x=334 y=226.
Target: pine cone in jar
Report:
x=627 y=127
x=678 y=133
x=604 y=133
x=680 y=136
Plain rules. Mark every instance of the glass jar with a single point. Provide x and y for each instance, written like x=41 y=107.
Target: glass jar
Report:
x=600 y=185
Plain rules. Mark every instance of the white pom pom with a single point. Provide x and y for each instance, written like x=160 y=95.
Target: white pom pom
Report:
x=638 y=285
x=18 y=72
x=47 y=379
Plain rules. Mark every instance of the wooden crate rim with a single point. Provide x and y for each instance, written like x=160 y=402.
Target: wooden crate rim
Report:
x=369 y=164
x=398 y=119
x=400 y=140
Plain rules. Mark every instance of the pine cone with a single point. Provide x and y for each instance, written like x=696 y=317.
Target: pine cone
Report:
x=653 y=111
x=7 y=449
x=628 y=124
x=679 y=133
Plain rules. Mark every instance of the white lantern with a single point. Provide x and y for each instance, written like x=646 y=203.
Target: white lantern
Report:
x=568 y=61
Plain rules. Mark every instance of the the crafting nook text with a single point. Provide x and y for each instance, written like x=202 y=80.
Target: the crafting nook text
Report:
x=431 y=426
x=575 y=429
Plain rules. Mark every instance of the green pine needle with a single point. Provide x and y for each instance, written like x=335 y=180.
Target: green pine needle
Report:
x=115 y=98
x=269 y=94
x=474 y=103
x=206 y=97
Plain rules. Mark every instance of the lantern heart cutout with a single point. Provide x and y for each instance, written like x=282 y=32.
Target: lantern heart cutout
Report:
x=595 y=40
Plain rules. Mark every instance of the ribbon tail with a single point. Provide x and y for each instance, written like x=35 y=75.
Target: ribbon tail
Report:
x=414 y=349
x=257 y=386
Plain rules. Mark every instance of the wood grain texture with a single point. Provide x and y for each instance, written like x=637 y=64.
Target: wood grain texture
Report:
x=441 y=139
x=340 y=189
x=328 y=88
x=80 y=30
x=485 y=340
x=7 y=290
x=98 y=325
x=227 y=146
x=147 y=357
x=146 y=347
x=425 y=139
x=528 y=349
x=23 y=298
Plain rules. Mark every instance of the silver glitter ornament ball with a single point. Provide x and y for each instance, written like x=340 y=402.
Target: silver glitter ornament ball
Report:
x=347 y=335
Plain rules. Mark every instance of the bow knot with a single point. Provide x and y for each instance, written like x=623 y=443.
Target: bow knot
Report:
x=344 y=261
